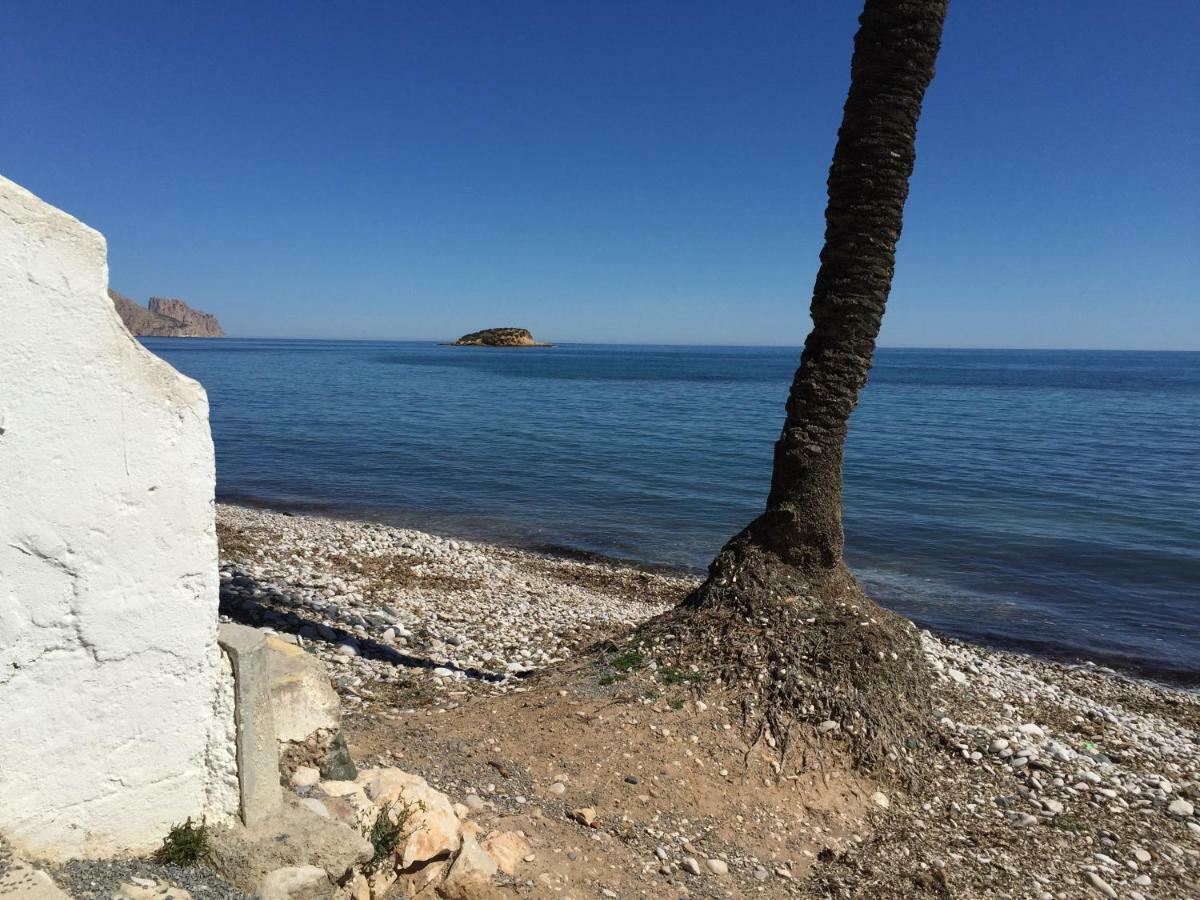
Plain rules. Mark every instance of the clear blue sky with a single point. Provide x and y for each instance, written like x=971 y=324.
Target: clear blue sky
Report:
x=611 y=171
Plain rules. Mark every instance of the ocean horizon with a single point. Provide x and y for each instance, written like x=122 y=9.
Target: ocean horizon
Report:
x=797 y=348
x=1040 y=500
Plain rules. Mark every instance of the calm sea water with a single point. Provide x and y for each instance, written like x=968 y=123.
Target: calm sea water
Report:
x=1034 y=499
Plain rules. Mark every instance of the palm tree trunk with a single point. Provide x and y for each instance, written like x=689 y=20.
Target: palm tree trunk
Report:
x=894 y=55
x=780 y=617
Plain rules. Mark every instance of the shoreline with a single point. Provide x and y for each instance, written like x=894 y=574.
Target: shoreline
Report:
x=1040 y=651
x=490 y=537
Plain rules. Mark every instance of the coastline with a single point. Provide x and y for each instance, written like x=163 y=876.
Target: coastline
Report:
x=455 y=528
x=510 y=538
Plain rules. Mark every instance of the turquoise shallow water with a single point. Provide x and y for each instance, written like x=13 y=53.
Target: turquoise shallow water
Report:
x=1043 y=500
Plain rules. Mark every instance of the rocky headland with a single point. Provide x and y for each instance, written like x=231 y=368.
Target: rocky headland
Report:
x=165 y=317
x=499 y=337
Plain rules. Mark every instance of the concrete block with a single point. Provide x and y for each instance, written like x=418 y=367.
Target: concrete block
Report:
x=257 y=750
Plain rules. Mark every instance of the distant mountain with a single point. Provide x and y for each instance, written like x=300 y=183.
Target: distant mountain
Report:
x=165 y=318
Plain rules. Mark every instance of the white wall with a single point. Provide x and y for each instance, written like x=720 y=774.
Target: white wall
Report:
x=114 y=704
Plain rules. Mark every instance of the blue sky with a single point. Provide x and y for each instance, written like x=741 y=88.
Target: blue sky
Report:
x=619 y=171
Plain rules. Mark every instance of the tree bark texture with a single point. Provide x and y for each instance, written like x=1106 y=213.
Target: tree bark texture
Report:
x=893 y=63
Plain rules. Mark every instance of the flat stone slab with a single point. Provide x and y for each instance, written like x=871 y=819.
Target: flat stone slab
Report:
x=21 y=881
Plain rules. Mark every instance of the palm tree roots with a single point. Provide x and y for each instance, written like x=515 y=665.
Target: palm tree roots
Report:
x=801 y=649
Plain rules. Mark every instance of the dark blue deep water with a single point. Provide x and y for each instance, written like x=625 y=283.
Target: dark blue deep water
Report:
x=1035 y=499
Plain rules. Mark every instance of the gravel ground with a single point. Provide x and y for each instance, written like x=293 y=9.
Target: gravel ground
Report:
x=1053 y=782
x=378 y=602
x=101 y=878
x=93 y=878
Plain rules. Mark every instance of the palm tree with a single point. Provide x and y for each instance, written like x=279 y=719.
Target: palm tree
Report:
x=780 y=612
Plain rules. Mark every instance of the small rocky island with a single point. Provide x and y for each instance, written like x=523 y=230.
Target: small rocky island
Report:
x=499 y=337
x=165 y=317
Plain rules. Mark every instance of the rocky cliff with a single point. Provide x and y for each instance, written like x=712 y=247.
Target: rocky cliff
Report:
x=199 y=324
x=165 y=318
x=499 y=337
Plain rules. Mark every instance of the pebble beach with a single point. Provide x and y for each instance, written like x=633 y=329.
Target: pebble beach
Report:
x=1073 y=780
x=367 y=597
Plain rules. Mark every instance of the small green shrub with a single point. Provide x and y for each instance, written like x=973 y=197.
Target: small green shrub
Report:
x=389 y=829
x=627 y=662
x=672 y=675
x=184 y=845
x=610 y=678
x=675 y=704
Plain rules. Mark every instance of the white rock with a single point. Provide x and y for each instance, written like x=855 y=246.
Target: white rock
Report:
x=1180 y=808
x=1101 y=885
x=363 y=812
x=295 y=883
x=718 y=866
x=881 y=800
x=508 y=849
x=305 y=776
x=474 y=802
x=690 y=865
x=472 y=866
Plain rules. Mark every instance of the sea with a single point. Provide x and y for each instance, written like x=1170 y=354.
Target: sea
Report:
x=1045 y=501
